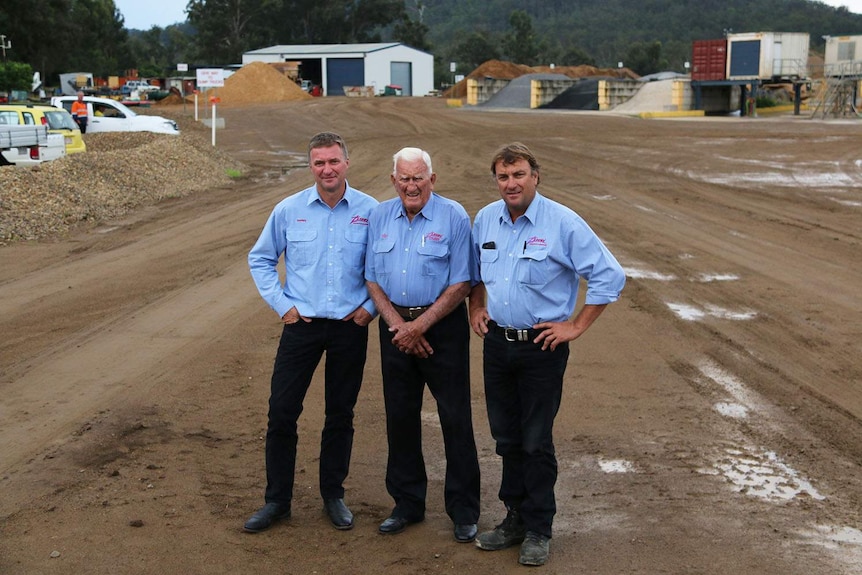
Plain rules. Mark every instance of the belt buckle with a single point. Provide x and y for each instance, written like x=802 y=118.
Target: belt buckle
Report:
x=411 y=310
x=511 y=334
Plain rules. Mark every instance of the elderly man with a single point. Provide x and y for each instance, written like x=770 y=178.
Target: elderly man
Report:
x=532 y=253
x=321 y=232
x=418 y=273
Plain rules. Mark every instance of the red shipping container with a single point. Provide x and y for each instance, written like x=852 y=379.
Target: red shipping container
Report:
x=708 y=60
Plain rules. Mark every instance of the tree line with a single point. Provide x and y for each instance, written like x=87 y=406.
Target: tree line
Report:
x=58 y=36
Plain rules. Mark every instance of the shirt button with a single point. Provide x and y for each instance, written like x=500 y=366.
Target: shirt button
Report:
x=403 y=271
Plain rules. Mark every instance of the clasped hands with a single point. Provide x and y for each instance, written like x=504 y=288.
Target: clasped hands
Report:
x=410 y=339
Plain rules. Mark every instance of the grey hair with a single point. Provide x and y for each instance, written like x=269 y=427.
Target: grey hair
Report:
x=411 y=155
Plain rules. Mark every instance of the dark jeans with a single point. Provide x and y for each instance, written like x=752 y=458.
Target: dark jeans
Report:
x=523 y=388
x=82 y=123
x=299 y=351
x=447 y=373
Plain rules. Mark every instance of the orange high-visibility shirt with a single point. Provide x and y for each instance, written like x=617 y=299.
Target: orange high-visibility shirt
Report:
x=79 y=108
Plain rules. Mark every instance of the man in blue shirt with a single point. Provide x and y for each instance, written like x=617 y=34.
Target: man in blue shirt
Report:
x=321 y=232
x=418 y=273
x=532 y=252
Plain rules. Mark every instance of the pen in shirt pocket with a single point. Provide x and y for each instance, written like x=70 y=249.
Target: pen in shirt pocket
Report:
x=525 y=248
x=423 y=240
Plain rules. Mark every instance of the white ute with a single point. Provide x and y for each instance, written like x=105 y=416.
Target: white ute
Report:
x=29 y=145
x=106 y=115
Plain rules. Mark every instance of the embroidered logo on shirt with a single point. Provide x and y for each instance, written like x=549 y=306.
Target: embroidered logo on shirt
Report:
x=433 y=237
x=359 y=220
x=301 y=220
x=534 y=241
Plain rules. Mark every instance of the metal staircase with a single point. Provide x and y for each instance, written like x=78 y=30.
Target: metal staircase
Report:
x=835 y=96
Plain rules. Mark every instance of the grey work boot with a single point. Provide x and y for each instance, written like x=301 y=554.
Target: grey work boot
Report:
x=534 y=549
x=510 y=532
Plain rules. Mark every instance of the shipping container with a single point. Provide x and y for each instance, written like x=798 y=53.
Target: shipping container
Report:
x=767 y=55
x=843 y=56
x=708 y=60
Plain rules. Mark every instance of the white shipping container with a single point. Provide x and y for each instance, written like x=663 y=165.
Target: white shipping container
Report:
x=843 y=56
x=767 y=55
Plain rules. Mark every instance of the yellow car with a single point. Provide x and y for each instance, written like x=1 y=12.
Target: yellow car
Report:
x=58 y=120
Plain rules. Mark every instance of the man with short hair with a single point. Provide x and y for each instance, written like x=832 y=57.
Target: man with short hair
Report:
x=79 y=112
x=418 y=273
x=532 y=253
x=321 y=232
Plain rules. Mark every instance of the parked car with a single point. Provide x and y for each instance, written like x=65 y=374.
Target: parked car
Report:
x=58 y=120
x=24 y=149
x=139 y=85
x=106 y=115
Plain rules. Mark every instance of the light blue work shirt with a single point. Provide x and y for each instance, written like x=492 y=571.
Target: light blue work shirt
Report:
x=531 y=268
x=324 y=255
x=414 y=262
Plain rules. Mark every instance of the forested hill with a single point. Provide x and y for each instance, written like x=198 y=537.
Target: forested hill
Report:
x=605 y=30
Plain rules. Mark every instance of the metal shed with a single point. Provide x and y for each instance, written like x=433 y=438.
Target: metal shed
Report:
x=334 y=66
x=843 y=56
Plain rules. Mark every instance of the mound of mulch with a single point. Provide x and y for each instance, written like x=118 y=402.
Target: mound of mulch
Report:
x=509 y=71
x=257 y=83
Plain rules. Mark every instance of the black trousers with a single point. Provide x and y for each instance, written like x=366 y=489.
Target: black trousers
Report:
x=299 y=352
x=447 y=374
x=523 y=390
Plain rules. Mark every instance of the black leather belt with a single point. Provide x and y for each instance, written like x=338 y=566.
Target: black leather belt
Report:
x=411 y=312
x=512 y=334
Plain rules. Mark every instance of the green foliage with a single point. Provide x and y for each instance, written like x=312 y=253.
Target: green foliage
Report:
x=476 y=48
x=57 y=36
x=645 y=58
x=520 y=44
x=15 y=76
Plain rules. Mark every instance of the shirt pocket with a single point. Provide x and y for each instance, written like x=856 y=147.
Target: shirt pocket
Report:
x=353 y=248
x=488 y=264
x=533 y=267
x=435 y=259
x=382 y=250
x=301 y=247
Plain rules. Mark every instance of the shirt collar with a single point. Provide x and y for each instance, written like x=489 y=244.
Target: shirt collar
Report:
x=426 y=212
x=314 y=196
x=531 y=214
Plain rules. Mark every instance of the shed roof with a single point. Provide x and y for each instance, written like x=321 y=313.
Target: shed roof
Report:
x=325 y=49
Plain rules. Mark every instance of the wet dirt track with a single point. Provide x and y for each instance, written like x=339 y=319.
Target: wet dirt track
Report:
x=711 y=422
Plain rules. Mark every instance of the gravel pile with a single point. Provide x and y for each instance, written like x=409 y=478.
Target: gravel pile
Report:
x=119 y=172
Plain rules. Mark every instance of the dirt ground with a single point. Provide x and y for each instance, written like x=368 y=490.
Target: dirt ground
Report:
x=711 y=421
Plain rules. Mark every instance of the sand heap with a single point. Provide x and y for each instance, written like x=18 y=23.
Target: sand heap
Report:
x=509 y=71
x=257 y=83
x=173 y=98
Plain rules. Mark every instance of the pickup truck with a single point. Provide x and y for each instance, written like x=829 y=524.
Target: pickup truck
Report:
x=29 y=145
x=139 y=86
x=106 y=115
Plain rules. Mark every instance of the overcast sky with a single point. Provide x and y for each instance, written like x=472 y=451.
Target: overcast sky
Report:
x=144 y=14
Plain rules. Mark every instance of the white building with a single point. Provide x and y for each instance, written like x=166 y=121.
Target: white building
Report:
x=334 y=66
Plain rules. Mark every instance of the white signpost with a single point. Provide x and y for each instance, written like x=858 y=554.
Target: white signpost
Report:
x=210 y=78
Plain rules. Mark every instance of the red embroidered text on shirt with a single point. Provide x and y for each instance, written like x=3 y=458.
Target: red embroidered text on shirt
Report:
x=534 y=241
x=433 y=237
x=359 y=220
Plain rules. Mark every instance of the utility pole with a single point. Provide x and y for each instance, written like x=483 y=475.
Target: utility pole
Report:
x=4 y=45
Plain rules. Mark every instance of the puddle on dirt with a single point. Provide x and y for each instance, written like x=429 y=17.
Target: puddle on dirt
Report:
x=734 y=410
x=692 y=313
x=729 y=383
x=762 y=474
x=709 y=278
x=643 y=274
x=616 y=466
